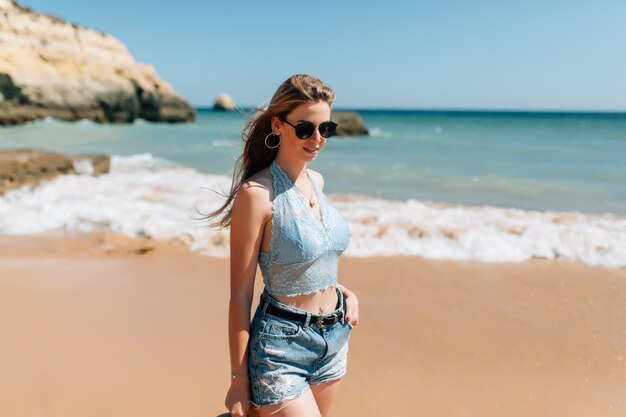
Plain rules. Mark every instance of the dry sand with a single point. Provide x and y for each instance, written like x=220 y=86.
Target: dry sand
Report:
x=103 y=326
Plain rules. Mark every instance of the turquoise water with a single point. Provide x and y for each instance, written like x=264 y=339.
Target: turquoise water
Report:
x=542 y=161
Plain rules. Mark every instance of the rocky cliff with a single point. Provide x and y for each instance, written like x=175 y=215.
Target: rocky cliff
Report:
x=51 y=68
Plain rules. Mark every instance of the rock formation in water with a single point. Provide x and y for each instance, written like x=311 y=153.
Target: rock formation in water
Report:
x=51 y=68
x=20 y=167
x=224 y=102
x=349 y=123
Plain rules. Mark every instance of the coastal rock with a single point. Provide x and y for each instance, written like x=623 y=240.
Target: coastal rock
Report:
x=20 y=167
x=51 y=68
x=92 y=164
x=350 y=124
x=224 y=102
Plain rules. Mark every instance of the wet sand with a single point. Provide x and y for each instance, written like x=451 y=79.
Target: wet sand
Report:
x=117 y=327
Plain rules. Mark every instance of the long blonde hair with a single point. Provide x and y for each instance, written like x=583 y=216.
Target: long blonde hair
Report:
x=294 y=91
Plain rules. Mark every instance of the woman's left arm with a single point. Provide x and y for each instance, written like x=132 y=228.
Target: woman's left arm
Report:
x=352 y=305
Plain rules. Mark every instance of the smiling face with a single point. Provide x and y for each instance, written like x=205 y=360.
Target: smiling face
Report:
x=290 y=144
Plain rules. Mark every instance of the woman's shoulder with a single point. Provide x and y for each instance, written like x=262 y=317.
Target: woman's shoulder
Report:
x=257 y=188
x=261 y=179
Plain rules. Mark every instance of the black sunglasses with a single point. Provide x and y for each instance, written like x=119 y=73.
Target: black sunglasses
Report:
x=304 y=130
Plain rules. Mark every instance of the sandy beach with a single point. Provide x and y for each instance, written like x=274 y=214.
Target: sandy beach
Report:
x=104 y=326
x=477 y=166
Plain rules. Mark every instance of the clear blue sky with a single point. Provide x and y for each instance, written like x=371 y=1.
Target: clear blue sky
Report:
x=531 y=55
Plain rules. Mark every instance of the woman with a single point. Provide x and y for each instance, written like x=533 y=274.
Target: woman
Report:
x=289 y=360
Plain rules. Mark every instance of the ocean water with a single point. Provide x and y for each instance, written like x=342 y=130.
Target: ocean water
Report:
x=487 y=186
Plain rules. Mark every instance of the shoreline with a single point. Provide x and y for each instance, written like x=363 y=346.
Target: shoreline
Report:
x=167 y=200
x=86 y=327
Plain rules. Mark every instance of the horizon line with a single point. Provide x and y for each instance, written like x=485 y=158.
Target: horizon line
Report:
x=453 y=110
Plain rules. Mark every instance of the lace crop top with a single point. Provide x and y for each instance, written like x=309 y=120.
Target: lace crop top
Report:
x=304 y=250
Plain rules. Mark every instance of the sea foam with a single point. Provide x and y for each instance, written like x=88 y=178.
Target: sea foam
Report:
x=143 y=195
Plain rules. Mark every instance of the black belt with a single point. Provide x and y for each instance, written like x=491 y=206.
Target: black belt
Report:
x=300 y=318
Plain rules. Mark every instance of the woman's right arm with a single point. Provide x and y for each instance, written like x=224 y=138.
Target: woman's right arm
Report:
x=246 y=232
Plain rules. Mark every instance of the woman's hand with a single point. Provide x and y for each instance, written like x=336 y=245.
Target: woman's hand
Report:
x=238 y=396
x=352 y=308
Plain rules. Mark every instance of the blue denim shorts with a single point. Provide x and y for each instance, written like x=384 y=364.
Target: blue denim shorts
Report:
x=286 y=357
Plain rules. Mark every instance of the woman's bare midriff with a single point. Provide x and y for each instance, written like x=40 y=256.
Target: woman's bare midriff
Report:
x=320 y=302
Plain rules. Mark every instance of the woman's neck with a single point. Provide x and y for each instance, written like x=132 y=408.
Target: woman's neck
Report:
x=293 y=169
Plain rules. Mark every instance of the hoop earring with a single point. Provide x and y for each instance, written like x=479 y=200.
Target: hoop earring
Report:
x=270 y=134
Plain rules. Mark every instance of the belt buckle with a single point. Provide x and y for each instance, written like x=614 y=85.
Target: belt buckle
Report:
x=337 y=316
x=320 y=318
